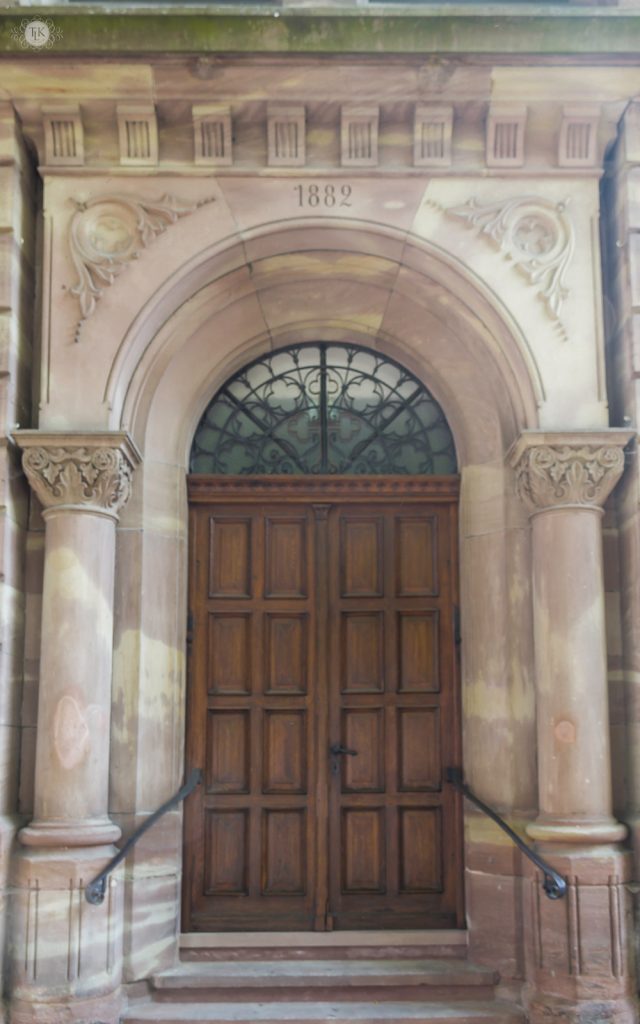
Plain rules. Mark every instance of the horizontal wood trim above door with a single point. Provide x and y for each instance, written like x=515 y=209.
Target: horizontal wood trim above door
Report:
x=205 y=489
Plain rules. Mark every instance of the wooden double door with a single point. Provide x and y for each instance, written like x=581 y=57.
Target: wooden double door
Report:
x=322 y=706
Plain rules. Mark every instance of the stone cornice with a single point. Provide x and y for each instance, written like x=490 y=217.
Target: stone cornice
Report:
x=573 y=468
x=170 y=29
x=79 y=471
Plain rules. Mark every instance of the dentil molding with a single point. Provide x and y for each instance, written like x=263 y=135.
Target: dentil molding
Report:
x=534 y=233
x=93 y=474
x=108 y=231
x=572 y=471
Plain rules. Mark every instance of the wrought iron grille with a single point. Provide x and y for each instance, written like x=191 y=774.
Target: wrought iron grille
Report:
x=323 y=408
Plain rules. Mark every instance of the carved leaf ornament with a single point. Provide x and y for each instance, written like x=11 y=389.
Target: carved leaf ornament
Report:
x=100 y=477
x=534 y=233
x=548 y=476
x=108 y=232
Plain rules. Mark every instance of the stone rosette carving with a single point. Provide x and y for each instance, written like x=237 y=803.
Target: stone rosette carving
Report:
x=89 y=475
x=551 y=475
x=534 y=233
x=107 y=232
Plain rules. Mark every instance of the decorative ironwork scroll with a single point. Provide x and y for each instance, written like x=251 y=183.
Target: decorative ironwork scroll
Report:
x=323 y=408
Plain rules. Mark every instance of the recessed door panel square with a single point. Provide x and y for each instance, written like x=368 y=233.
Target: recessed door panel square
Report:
x=286 y=557
x=226 y=853
x=229 y=654
x=419 y=749
x=227 y=752
x=285 y=752
x=361 y=557
x=286 y=653
x=284 y=852
x=418 y=652
x=363 y=731
x=363 y=853
x=416 y=554
x=229 y=557
x=363 y=652
x=420 y=849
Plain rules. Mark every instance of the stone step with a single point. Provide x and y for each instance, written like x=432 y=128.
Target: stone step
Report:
x=428 y=1012
x=341 y=945
x=321 y=974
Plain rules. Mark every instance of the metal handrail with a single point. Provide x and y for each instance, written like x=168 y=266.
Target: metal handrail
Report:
x=554 y=885
x=96 y=889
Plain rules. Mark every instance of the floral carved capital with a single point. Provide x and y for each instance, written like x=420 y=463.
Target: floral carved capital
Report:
x=93 y=475
x=107 y=232
x=551 y=475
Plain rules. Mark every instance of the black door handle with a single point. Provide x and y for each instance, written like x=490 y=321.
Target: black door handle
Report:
x=336 y=749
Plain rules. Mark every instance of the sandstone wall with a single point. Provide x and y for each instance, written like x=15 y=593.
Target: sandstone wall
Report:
x=18 y=199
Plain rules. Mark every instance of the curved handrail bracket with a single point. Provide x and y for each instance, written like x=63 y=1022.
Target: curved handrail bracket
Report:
x=554 y=885
x=96 y=889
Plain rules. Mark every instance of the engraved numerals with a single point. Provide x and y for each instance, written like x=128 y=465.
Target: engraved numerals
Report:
x=327 y=196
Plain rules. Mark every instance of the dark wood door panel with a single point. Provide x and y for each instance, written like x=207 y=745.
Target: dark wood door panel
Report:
x=394 y=839
x=250 y=829
x=317 y=623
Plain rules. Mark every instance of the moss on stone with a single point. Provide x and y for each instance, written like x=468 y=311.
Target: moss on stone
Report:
x=166 y=31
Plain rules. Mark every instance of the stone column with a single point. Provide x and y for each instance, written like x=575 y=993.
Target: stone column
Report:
x=67 y=954
x=580 y=959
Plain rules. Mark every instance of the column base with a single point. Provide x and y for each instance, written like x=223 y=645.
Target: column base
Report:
x=57 y=834
x=101 y=1009
x=580 y=956
x=582 y=832
x=65 y=954
x=562 y=1011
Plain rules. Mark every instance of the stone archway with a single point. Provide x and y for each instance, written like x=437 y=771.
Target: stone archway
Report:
x=404 y=300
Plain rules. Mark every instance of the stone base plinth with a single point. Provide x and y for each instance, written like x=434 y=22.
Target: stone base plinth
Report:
x=65 y=954
x=560 y=1011
x=494 y=901
x=99 y=1009
x=580 y=962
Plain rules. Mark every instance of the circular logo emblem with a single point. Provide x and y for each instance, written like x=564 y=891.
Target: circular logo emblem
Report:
x=37 y=33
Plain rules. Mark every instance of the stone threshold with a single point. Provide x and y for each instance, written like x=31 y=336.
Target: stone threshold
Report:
x=483 y=1012
x=259 y=940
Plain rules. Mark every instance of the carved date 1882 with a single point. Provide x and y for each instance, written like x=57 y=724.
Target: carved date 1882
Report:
x=323 y=195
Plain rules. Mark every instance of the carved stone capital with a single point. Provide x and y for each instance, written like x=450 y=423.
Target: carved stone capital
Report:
x=91 y=471
x=579 y=468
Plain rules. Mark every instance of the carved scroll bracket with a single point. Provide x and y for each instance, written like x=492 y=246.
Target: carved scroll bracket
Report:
x=554 y=470
x=535 y=234
x=107 y=232
x=90 y=471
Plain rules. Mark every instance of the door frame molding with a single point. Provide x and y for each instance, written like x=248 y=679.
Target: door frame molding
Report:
x=204 y=489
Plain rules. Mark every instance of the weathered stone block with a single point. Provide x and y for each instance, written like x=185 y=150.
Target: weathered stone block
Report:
x=66 y=955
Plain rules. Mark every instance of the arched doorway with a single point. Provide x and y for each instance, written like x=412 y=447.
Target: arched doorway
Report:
x=322 y=695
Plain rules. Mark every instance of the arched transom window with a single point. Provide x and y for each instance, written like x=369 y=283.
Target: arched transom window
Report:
x=323 y=408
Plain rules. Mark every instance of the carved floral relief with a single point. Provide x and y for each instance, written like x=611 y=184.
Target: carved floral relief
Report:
x=100 y=477
x=108 y=232
x=534 y=233
x=547 y=476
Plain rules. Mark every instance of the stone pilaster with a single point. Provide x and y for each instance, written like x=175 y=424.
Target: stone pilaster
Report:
x=579 y=969
x=68 y=954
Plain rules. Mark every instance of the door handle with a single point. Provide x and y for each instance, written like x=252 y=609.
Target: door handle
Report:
x=336 y=749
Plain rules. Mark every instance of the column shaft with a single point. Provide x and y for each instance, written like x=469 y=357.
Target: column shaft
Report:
x=570 y=654
x=74 y=707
